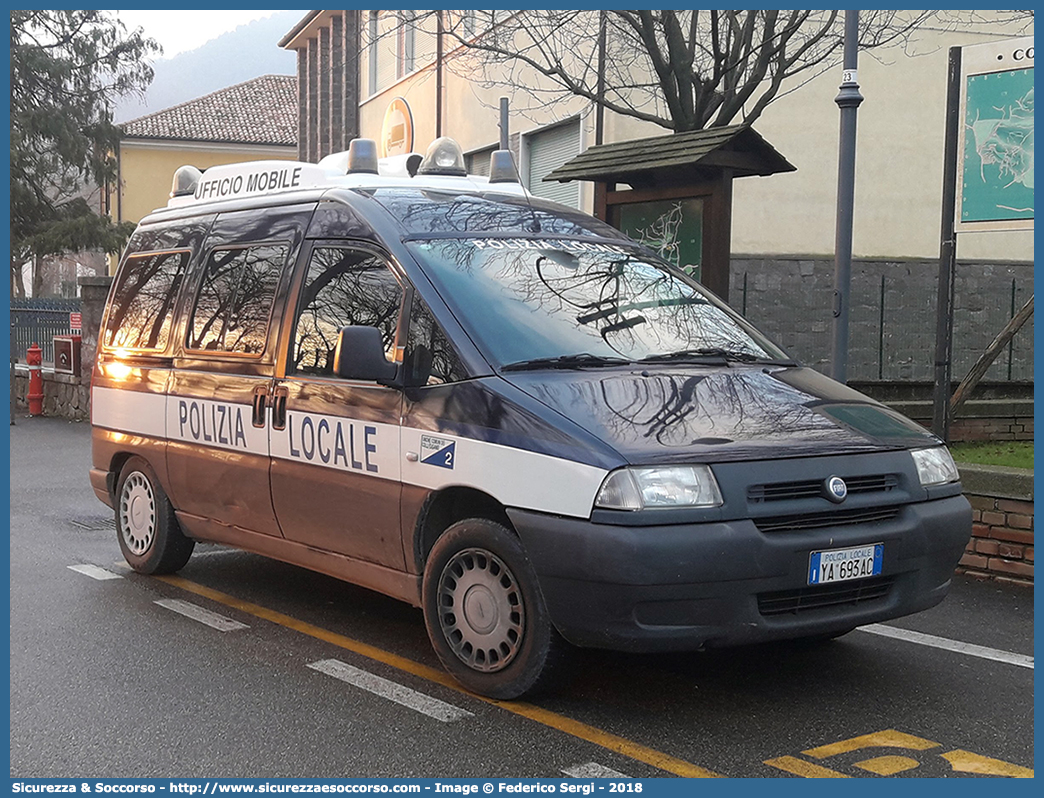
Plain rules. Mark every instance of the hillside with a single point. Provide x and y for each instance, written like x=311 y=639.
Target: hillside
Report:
x=247 y=52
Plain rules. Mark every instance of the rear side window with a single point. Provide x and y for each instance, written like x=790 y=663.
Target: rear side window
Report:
x=235 y=298
x=140 y=314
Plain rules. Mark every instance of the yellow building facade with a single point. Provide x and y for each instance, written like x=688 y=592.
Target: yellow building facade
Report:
x=251 y=121
x=147 y=167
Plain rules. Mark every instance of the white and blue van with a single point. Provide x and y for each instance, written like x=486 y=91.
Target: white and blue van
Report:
x=500 y=410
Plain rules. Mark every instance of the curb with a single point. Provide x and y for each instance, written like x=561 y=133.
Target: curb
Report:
x=999 y=481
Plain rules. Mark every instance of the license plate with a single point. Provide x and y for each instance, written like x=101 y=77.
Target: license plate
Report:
x=840 y=565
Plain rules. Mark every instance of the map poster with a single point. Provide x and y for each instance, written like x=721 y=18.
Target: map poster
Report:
x=995 y=144
x=671 y=228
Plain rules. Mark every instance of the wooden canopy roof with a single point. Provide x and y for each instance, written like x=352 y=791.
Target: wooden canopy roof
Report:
x=676 y=158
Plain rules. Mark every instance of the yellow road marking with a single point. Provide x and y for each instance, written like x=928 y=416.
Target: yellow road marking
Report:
x=890 y=738
x=575 y=728
x=888 y=765
x=808 y=770
x=967 y=762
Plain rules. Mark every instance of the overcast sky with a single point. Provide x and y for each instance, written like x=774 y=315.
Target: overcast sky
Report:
x=183 y=30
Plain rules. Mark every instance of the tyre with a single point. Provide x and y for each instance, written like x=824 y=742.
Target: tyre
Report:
x=148 y=533
x=484 y=612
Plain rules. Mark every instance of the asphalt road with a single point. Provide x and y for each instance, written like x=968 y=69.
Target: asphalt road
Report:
x=106 y=682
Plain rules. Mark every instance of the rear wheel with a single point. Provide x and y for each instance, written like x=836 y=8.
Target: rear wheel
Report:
x=484 y=612
x=147 y=530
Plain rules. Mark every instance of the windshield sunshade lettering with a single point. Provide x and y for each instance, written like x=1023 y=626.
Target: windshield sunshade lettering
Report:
x=543 y=244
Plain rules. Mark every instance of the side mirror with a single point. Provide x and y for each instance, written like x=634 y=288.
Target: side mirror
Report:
x=360 y=356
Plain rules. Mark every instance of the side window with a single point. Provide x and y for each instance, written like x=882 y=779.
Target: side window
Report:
x=140 y=311
x=235 y=297
x=343 y=287
x=430 y=357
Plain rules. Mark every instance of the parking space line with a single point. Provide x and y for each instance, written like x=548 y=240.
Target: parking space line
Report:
x=972 y=650
x=592 y=770
x=967 y=762
x=393 y=691
x=889 y=738
x=93 y=571
x=204 y=616
x=799 y=767
x=574 y=728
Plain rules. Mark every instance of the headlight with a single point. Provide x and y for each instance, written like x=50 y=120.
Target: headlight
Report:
x=935 y=466
x=666 y=486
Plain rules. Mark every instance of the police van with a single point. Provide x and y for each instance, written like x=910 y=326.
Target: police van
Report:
x=499 y=410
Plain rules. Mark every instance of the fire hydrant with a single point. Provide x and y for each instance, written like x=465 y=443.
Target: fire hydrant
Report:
x=34 y=359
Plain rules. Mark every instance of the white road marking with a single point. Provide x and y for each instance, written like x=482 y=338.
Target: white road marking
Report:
x=995 y=654
x=393 y=691
x=94 y=572
x=196 y=613
x=592 y=770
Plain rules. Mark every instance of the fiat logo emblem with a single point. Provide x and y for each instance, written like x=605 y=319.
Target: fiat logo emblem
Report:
x=836 y=489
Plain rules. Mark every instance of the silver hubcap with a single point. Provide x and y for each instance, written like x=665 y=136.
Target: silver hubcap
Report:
x=137 y=514
x=480 y=610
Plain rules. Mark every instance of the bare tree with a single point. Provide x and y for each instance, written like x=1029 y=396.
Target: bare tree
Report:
x=682 y=70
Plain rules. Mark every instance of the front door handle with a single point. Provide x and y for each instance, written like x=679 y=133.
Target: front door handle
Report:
x=258 y=404
x=279 y=397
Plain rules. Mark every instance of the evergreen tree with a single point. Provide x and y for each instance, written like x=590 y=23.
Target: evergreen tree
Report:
x=67 y=69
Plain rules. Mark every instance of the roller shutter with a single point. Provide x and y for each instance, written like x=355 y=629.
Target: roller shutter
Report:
x=549 y=149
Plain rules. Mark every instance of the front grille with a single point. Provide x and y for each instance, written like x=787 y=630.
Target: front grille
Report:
x=810 y=488
x=793 y=523
x=783 y=602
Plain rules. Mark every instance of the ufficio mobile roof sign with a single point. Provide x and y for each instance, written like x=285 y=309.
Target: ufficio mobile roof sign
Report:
x=995 y=144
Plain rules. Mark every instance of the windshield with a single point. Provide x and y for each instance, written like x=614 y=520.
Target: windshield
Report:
x=530 y=299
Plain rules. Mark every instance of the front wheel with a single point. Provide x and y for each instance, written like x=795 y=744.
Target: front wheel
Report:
x=484 y=612
x=148 y=532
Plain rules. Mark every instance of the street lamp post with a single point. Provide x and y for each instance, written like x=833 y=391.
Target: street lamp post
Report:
x=848 y=100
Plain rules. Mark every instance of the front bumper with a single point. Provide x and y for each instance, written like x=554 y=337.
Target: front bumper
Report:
x=690 y=586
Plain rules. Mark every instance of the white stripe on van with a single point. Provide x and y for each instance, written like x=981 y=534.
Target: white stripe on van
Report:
x=338 y=442
x=129 y=411
x=225 y=425
x=515 y=477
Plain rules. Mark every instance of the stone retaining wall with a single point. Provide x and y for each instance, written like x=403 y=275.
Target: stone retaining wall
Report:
x=1001 y=545
x=892 y=323
x=64 y=395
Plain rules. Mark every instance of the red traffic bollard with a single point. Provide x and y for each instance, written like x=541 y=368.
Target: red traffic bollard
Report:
x=34 y=359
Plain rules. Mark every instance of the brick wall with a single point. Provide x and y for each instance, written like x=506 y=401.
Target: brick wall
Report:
x=1002 y=538
x=1005 y=428
x=1001 y=545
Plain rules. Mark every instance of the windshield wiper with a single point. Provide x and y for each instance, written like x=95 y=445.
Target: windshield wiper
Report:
x=580 y=360
x=714 y=353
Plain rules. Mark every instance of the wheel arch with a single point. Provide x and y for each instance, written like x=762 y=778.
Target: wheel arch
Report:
x=119 y=460
x=445 y=507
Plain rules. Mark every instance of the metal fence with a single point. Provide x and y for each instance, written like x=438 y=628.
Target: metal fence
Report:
x=892 y=332
x=38 y=321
